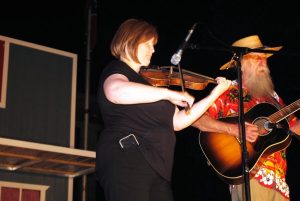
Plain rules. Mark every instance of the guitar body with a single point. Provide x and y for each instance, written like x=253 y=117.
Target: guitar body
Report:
x=224 y=152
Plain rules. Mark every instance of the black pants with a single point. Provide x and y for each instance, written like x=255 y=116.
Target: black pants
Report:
x=125 y=175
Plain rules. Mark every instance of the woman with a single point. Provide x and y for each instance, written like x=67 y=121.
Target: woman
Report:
x=136 y=147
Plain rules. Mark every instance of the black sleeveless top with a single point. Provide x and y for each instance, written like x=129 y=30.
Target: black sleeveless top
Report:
x=151 y=123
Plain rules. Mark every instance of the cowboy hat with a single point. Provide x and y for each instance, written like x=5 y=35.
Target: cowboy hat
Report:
x=252 y=42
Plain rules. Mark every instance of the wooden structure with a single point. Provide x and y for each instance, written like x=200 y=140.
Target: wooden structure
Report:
x=37 y=119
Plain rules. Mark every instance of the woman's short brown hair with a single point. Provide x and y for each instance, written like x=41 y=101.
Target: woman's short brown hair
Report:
x=129 y=35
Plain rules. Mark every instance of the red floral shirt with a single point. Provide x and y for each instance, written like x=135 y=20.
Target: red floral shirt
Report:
x=271 y=172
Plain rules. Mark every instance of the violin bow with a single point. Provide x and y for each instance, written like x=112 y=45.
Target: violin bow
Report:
x=187 y=108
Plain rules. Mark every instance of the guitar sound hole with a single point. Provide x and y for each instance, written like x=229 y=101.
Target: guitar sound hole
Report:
x=264 y=126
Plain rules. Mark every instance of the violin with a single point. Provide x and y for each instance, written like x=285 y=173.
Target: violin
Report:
x=170 y=75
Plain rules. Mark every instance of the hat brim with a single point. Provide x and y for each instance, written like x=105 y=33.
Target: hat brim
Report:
x=272 y=49
x=229 y=64
x=232 y=62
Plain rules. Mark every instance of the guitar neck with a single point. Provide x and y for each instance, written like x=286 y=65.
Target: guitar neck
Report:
x=285 y=112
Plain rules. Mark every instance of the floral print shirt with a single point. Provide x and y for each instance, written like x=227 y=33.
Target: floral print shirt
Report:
x=271 y=172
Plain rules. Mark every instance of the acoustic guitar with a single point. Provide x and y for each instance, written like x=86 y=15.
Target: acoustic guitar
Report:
x=224 y=152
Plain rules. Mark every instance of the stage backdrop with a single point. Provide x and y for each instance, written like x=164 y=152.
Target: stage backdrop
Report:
x=37 y=104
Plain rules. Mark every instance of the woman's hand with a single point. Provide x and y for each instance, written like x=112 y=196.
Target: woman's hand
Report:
x=223 y=85
x=182 y=99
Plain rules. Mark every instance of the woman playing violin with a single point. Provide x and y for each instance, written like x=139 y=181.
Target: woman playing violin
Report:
x=135 y=150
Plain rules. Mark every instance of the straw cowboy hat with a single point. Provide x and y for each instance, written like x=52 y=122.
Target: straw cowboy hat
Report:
x=252 y=42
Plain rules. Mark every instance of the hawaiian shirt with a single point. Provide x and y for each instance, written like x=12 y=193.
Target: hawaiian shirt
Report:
x=270 y=172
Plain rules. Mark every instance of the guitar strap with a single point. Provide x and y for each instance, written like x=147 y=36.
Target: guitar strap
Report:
x=274 y=101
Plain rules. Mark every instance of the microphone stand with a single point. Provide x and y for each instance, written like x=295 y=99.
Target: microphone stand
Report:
x=241 y=51
x=242 y=131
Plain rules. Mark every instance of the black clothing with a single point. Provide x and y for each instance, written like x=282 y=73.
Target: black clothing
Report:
x=152 y=125
x=125 y=175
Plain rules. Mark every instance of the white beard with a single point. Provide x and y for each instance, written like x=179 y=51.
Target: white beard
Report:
x=259 y=84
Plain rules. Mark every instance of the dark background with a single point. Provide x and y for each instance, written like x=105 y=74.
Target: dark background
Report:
x=62 y=25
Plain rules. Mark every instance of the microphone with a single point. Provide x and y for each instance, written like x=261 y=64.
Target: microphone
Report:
x=177 y=56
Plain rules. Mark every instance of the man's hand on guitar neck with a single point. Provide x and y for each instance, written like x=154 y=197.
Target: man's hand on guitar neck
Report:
x=296 y=128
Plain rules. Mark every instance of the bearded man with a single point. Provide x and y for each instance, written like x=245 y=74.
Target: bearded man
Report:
x=267 y=175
